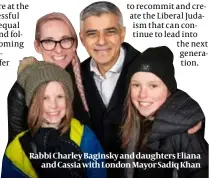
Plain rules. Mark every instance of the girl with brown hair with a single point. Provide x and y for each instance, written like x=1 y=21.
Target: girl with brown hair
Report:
x=157 y=117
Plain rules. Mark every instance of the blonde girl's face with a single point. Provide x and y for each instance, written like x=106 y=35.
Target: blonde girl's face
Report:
x=54 y=105
x=148 y=92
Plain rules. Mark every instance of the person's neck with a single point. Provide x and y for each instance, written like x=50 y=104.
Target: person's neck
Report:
x=47 y=125
x=151 y=118
x=103 y=68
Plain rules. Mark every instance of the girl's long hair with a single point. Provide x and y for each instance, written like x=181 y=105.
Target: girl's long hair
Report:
x=35 y=112
x=136 y=129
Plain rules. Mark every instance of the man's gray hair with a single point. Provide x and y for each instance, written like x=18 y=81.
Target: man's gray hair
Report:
x=99 y=8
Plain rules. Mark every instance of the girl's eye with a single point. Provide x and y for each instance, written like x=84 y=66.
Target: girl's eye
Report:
x=153 y=86
x=60 y=96
x=135 y=85
x=45 y=97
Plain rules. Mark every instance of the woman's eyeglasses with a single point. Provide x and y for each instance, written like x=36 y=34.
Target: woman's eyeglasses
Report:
x=50 y=45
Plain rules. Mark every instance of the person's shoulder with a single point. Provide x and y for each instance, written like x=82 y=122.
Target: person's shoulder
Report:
x=77 y=126
x=85 y=64
x=81 y=134
x=18 y=136
x=15 y=144
x=131 y=54
x=16 y=90
x=130 y=49
x=90 y=142
x=181 y=109
x=15 y=156
x=76 y=123
x=183 y=102
x=80 y=127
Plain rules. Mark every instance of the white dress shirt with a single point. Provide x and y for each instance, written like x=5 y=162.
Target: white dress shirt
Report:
x=107 y=85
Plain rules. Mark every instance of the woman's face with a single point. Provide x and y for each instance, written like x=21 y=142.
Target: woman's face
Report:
x=54 y=105
x=55 y=30
x=148 y=92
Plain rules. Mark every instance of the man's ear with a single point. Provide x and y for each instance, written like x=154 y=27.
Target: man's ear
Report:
x=37 y=46
x=123 y=33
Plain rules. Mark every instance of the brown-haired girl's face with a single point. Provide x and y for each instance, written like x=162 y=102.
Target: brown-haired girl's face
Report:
x=148 y=92
x=54 y=105
x=55 y=30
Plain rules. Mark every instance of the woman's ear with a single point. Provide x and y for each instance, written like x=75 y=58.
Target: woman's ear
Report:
x=37 y=46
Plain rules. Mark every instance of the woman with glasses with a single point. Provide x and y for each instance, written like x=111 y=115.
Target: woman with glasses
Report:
x=56 y=41
x=50 y=45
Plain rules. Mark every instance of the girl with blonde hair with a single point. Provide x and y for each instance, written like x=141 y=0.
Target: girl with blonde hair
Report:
x=55 y=142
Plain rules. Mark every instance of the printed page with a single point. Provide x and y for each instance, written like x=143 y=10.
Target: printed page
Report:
x=181 y=25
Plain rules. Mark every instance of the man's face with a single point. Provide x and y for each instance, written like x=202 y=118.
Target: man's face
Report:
x=102 y=37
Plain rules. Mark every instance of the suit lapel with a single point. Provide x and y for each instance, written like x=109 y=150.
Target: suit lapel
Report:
x=92 y=91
